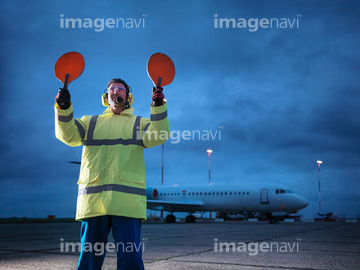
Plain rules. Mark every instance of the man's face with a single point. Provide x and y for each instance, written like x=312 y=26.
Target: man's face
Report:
x=116 y=90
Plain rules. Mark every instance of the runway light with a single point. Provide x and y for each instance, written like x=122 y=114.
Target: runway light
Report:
x=209 y=151
x=319 y=162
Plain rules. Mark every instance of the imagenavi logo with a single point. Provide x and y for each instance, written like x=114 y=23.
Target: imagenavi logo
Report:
x=253 y=24
x=99 y=24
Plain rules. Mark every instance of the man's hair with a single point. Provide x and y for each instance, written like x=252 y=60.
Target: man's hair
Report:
x=118 y=80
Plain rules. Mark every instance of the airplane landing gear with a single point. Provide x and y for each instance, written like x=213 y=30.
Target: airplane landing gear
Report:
x=264 y=216
x=190 y=218
x=170 y=219
x=273 y=220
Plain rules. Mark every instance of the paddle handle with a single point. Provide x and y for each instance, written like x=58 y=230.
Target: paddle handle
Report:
x=157 y=102
x=65 y=85
x=66 y=81
x=159 y=83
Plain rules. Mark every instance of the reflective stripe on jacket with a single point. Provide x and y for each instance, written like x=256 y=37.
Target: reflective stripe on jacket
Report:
x=112 y=174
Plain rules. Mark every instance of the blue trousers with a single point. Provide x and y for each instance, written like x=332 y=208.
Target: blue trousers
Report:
x=126 y=232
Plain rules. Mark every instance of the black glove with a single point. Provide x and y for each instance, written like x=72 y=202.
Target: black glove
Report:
x=158 y=97
x=63 y=98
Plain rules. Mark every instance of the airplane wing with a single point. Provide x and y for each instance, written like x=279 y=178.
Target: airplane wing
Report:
x=172 y=206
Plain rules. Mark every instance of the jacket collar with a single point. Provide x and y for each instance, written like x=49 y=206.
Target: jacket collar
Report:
x=129 y=111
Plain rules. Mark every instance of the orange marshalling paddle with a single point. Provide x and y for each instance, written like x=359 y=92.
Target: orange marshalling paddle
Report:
x=160 y=69
x=69 y=67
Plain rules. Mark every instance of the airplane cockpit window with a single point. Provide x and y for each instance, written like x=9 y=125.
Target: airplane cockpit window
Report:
x=280 y=191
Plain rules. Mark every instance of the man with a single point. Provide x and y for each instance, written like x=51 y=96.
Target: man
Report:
x=112 y=188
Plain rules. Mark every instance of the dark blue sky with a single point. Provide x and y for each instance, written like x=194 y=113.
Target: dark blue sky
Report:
x=280 y=97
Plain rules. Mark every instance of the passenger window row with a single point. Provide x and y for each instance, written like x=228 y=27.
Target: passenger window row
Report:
x=207 y=193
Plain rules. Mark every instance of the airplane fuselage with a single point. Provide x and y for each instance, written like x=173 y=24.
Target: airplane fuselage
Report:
x=264 y=198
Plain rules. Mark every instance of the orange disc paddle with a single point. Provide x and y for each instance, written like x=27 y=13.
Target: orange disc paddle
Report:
x=160 y=69
x=69 y=67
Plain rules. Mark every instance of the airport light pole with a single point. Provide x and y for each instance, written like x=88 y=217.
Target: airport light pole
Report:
x=209 y=152
x=319 y=162
x=162 y=164
x=162 y=172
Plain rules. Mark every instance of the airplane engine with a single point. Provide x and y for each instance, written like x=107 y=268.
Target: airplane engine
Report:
x=152 y=193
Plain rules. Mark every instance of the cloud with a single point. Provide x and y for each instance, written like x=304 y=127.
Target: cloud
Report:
x=282 y=98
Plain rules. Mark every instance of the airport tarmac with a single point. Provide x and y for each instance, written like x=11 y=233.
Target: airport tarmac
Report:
x=200 y=245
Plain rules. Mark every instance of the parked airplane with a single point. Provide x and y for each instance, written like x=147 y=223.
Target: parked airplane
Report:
x=268 y=199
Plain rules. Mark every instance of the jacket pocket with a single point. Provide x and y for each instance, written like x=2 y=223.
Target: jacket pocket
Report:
x=90 y=165
x=134 y=177
x=88 y=177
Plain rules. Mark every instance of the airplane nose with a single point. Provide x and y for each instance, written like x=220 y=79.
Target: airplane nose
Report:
x=303 y=202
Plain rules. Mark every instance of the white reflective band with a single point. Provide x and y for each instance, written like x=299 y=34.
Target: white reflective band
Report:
x=80 y=129
x=158 y=116
x=112 y=187
x=63 y=118
x=133 y=141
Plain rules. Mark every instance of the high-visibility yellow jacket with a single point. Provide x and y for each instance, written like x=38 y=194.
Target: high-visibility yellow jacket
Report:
x=112 y=174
